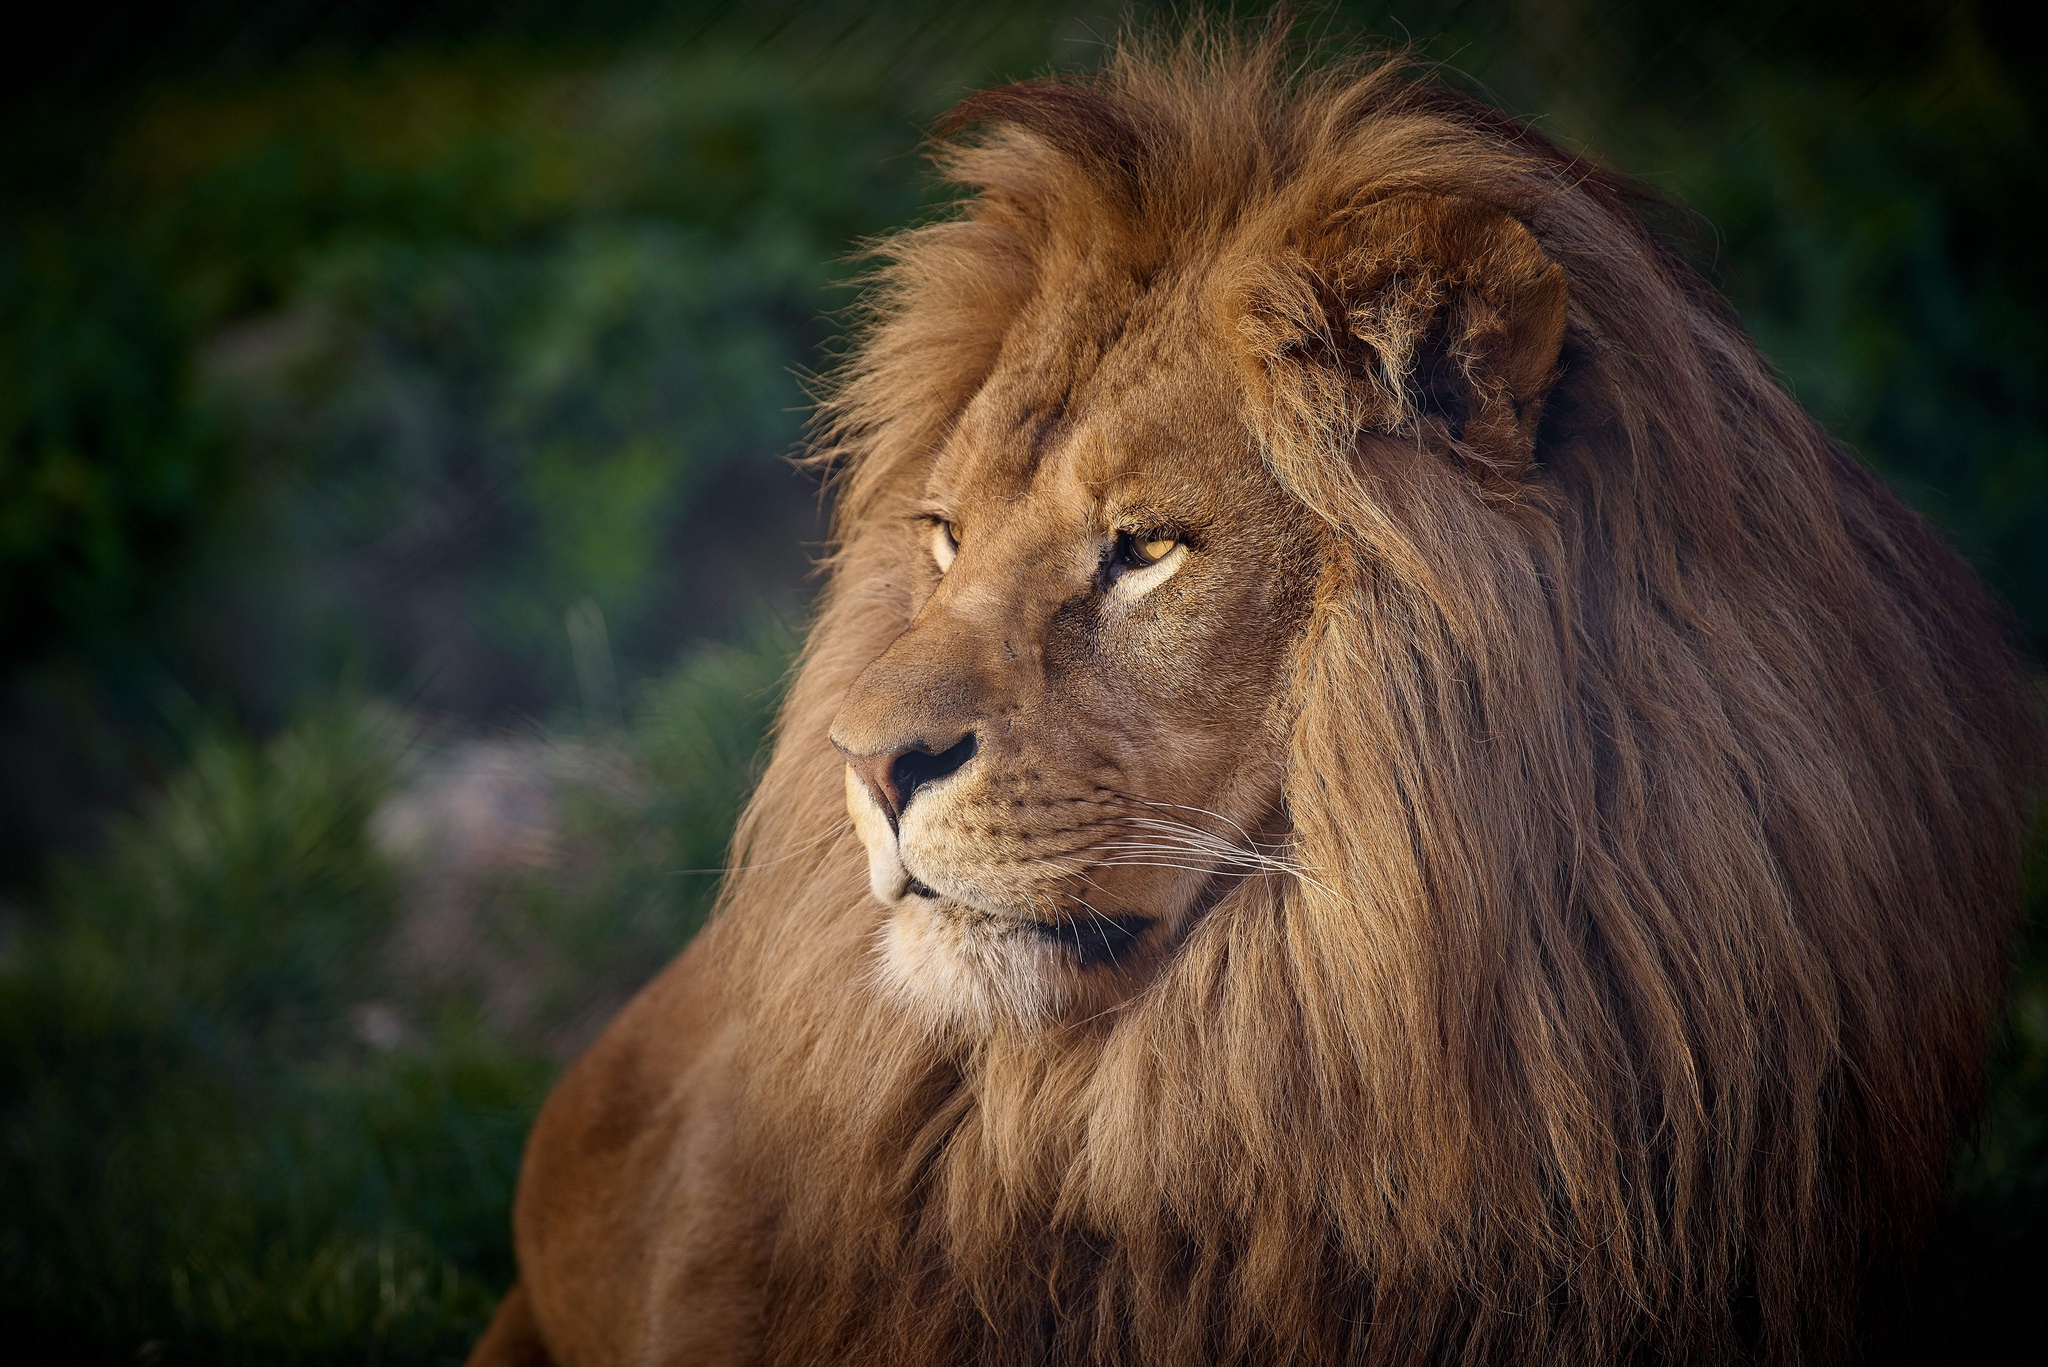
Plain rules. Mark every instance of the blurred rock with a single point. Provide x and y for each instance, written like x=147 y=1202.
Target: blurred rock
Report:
x=378 y=1025
x=478 y=836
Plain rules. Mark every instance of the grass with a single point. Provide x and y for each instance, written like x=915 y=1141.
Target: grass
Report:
x=200 y=1159
x=207 y=1149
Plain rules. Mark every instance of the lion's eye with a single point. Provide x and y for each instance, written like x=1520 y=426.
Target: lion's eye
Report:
x=1135 y=550
x=945 y=543
x=1142 y=561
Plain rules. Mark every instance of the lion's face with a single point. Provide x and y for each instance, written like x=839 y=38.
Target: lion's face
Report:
x=1076 y=746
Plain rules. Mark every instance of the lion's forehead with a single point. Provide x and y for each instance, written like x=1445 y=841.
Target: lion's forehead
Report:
x=1126 y=458
x=1113 y=384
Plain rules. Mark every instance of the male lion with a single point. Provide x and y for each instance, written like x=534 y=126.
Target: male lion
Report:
x=1407 y=804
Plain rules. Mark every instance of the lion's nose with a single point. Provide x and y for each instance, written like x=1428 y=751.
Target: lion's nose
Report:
x=895 y=776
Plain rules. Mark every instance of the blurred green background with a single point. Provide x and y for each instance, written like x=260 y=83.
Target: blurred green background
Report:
x=399 y=556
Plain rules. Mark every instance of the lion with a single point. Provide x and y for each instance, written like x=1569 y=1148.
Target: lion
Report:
x=1366 y=787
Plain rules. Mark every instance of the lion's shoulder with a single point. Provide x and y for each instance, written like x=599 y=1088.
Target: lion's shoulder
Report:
x=634 y=1215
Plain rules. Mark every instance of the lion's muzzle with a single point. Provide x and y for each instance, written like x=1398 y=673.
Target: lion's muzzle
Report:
x=910 y=723
x=887 y=878
x=876 y=813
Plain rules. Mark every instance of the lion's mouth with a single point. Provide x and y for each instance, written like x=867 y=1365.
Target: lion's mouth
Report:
x=1095 y=940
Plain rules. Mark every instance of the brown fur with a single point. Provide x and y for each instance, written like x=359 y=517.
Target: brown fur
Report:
x=1651 y=783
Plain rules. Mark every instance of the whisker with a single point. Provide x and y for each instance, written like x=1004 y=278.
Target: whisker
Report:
x=1103 y=929
x=1230 y=853
x=828 y=837
x=1249 y=838
x=1187 y=830
x=1158 y=840
x=1184 y=868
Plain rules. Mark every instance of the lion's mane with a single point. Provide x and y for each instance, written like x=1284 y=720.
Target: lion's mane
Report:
x=1660 y=806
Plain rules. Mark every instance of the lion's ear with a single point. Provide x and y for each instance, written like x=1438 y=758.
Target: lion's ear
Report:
x=1431 y=317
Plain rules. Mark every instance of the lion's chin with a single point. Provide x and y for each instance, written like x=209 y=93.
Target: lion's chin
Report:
x=960 y=966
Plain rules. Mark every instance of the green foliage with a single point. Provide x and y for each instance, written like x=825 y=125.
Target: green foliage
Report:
x=2008 y=1165
x=237 y=1120
x=106 y=468
x=1977 y=1297
x=643 y=839
x=196 y=1152
x=384 y=369
x=1884 y=261
x=495 y=325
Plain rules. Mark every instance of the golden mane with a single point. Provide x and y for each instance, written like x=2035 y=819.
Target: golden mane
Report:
x=1658 y=814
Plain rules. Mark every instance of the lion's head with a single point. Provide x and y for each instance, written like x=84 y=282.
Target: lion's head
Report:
x=1080 y=741
x=1420 y=808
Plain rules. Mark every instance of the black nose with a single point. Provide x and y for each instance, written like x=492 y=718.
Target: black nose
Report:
x=894 y=776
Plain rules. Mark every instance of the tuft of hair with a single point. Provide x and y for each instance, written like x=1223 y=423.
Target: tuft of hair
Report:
x=1665 y=801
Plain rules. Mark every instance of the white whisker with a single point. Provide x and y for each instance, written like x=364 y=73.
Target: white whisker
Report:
x=828 y=837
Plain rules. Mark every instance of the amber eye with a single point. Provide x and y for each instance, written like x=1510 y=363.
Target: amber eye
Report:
x=1136 y=550
x=945 y=543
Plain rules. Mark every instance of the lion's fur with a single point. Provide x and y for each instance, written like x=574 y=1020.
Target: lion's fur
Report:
x=1662 y=794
